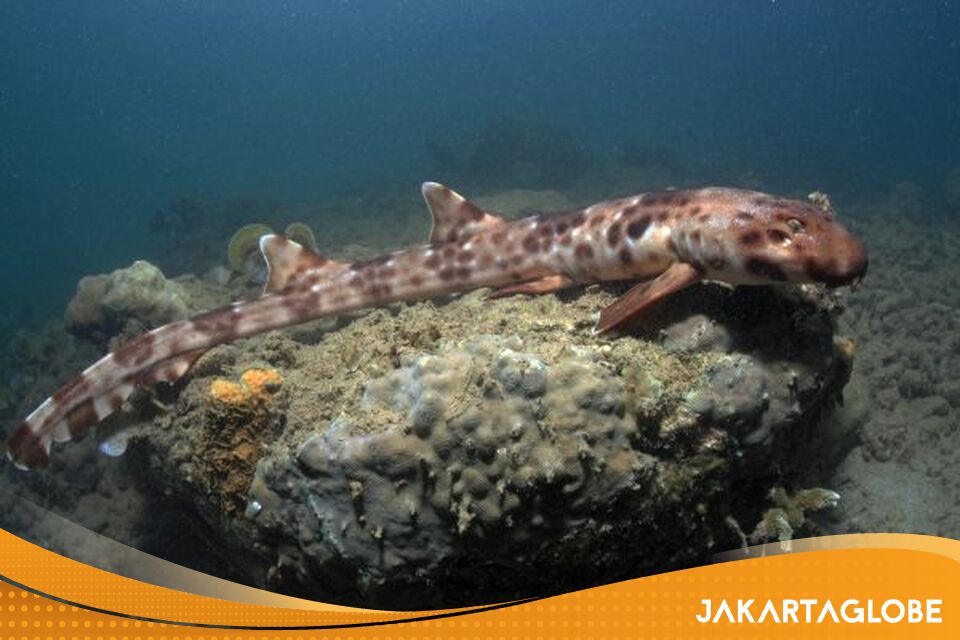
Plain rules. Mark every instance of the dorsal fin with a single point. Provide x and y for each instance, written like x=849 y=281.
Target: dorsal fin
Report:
x=289 y=264
x=454 y=217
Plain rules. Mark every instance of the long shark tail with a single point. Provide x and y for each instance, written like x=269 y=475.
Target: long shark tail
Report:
x=167 y=353
x=87 y=399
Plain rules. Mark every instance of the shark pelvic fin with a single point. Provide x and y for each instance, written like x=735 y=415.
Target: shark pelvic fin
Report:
x=454 y=217
x=290 y=264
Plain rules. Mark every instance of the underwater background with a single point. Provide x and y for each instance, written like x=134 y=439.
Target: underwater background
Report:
x=147 y=130
x=112 y=110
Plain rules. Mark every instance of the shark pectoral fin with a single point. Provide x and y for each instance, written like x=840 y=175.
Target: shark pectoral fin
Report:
x=454 y=217
x=288 y=263
x=537 y=287
x=627 y=307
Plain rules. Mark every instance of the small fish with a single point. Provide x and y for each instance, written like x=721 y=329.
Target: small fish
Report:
x=668 y=240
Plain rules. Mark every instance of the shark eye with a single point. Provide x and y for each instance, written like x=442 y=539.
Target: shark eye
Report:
x=795 y=225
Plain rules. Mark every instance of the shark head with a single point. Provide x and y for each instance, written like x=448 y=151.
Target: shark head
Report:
x=800 y=241
x=754 y=238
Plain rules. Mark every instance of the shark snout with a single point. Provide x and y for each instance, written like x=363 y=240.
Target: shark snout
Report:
x=856 y=265
x=843 y=263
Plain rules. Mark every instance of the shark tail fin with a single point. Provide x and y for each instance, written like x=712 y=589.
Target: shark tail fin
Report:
x=70 y=413
x=29 y=445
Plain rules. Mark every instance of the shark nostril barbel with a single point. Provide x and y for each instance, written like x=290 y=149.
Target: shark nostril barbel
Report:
x=668 y=240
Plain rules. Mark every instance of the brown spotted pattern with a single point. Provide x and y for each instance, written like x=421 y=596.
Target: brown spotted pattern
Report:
x=744 y=237
x=731 y=235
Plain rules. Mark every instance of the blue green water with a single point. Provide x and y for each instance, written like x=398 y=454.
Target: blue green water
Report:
x=109 y=110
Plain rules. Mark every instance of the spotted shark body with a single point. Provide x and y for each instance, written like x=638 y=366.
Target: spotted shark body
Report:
x=668 y=240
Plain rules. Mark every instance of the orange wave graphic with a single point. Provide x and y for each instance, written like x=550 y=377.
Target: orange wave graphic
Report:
x=48 y=595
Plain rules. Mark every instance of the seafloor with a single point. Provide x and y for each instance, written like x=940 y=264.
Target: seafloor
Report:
x=460 y=445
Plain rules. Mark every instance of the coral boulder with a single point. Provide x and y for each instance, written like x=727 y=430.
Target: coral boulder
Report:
x=124 y=303
x=445 y=455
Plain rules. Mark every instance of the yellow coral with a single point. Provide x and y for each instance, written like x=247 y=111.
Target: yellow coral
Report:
x=256 y=386
x=260 y=381
x=226 y=392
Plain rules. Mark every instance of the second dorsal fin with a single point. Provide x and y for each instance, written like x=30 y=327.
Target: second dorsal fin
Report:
x=454 y=217
x=290 y=264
